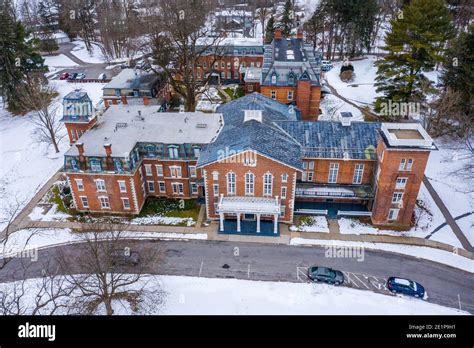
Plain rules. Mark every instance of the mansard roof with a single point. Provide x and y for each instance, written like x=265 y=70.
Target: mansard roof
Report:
x=77 y=95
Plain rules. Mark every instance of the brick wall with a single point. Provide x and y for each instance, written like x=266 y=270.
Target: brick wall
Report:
x=75 y=130
x=345 y=173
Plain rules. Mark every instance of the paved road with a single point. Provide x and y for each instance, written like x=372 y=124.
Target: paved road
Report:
x=284 y=263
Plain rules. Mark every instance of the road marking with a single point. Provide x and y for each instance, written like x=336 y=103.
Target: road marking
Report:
x=304 y=272
x=200 y=268
x=360 y=281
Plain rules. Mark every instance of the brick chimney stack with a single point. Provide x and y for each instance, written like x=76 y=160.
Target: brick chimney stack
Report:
x=82 y=159
x=278 y=34
x=108 y=149
x=299 y=34
x=108 y=153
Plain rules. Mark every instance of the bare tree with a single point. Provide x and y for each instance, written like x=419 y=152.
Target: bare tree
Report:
x=108 y=268
x=40 y=99
x=181 y=46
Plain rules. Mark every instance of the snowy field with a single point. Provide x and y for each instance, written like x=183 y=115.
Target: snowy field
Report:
x=59 y=61
x=27 y=164
x=332 y=106
x=204 y=296
x=81 y=52
x=313 y=224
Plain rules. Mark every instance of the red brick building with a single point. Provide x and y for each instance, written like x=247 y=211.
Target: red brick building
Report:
x=291 y=74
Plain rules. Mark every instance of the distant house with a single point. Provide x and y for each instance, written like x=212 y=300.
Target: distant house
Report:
x=133 y=85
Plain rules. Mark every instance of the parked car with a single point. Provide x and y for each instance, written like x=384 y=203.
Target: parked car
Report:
x=326 y=65
x=405 y=286
x=73 y=76
x=102 y=77
x=64 y=76
x=121 y=257
x=80 y=76
x=325 y=274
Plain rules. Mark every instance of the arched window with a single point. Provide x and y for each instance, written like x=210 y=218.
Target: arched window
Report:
x=249 y=184
x=150 y=150
x=231 y=189
x=173 y=151
x=268 y=184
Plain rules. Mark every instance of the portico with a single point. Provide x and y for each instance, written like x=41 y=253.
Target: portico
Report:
x=246 y=209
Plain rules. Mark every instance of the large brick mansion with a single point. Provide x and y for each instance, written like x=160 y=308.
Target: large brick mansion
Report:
x=254 y=160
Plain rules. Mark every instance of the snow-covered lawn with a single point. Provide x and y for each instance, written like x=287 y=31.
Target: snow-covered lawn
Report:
x=332 y=106
x=80 y=51
x=163 y=220
x=26 y=165
x=427 y=219
x=59 y=61
x=312 y=224
x=204 y=296
x=453 y=191
x=42 y=213
x=448 y=258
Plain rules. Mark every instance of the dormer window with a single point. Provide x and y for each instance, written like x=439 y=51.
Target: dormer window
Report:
x=118 y=165
x=173 y=151
x=73 y=164
x=274 y=79
x=196 y=151
x=150 y=149
x=96 y=166
x=291 y=79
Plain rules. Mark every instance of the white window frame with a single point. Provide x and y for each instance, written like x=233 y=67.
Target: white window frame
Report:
x=402 y=164
x=290 y=95
x=401 y=183
x=358 y=174
x=192 y=171
x=194 y=188
x=215 y=190
x=249 y=184
x=284 y=177
x=100 y=185
x=178 y=188
x=85 y=200
x=393 y=214
x=397 y=197
x=173 y=152
x=80 y=184
x=311 y=165
x=274 y=94
x=126 y=199
x=284 y=192
x=268 y=185
x=333 y=173
x=304 y=176
x=162 y=186
x=148 y=171
x=231 y=183
x=410 y=163
x=215 y=176
x=310 y=176
x=122 y=186
x=176 y=172
x=159 y=169
x=106 y=200
x=151 y=186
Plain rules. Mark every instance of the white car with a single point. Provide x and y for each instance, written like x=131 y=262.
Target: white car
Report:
x=80 y=76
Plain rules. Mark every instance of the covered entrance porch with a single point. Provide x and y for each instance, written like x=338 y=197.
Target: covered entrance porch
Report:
x=248 y=215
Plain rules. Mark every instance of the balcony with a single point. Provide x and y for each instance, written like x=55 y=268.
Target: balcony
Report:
x=310 y=190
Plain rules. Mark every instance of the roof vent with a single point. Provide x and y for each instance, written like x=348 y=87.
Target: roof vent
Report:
x=346 y=118
x=201 y=125
x=253 y=115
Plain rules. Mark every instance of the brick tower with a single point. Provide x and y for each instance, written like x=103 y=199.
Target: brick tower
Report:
x=78 y=114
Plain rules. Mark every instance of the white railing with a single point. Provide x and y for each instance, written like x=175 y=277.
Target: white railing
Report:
x=353 y=213
x=311 y=212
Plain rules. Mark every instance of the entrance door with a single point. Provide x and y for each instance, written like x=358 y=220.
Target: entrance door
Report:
x=249 y=217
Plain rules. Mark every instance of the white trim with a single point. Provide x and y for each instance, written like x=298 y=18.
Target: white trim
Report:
x=82 y=202
x=123 y=203
x=124 y=186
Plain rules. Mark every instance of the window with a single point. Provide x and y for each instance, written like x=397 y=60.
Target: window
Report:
x=122 y=186
x=148 y=170
x=358 y=174
x=305 y=165
x=267 y=184
x=310 y=176
x=159 y=169
x=236 y=74
x=150 y=149
x=397 y=197
x=228 y=65
x=274 y=94
x=198 y=74
x=100 y=184
x=175 y=172
x=410 y=164
x=283 y=192
x=250 y=88
x=173 y=151
x=85 y=202
x=291 y=80
x=222 y=65
x=162 y=187
x=151 y=186
x=284 y=177
x=196 y=151
x=96 y=166
x=401 y=183
x=250 y=158
x=304 y=176
x=177 y=188
x=231 y=183
x=192 y=171
x=104 y=202
x=274 y=79
x=311 y=165
x=393 y=214
x=80 y=185
x=194 y=188
x=402 y=164
x=215 y=176
x=215 y=189
x=290 y=95
x=126 y=203
x=118 y=165
x=249 y=184
x=259 y=64
x=73 y=163
x=333 y=171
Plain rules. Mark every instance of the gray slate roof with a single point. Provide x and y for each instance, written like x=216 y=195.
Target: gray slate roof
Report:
x=266 y=137
x=330 y=139
x=132 y=79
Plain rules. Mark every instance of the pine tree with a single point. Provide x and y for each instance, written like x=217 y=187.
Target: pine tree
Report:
x=269 y=30
x=414 y=44
x=458 y=74
x=287 y=21
x=18 y=56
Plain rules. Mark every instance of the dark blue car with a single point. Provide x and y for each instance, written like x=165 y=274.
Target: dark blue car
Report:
x=405 y=286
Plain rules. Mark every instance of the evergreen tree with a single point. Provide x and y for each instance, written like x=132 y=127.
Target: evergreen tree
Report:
x=414 y=44
x=269 y=30
x=18 y=57
x=458 y=74
x=287 y=21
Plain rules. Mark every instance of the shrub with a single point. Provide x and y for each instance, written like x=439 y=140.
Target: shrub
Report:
x=347 y=68
x=347 y=76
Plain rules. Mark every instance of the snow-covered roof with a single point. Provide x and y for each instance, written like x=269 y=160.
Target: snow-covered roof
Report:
x=231 y=41
x=132 y=79
x=249 y=204
x=252 y=74
x=124 y=126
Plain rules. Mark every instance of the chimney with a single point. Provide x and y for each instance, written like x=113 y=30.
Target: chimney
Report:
x=108 y=149
x=124 y=100
x=278 y=34
x=82 y=159
x=299 y=34
x=145 y=100
x=108 y=160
